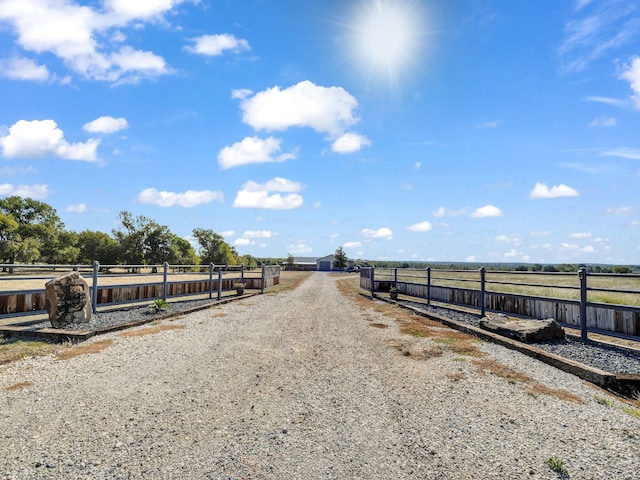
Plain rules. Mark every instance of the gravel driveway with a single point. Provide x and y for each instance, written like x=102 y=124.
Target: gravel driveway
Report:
x=299 y=385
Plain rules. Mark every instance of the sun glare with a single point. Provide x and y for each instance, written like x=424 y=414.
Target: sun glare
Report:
x=386 y=36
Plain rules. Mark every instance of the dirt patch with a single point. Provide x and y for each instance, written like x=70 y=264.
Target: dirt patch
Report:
x=533 y=387
x=18 y=386
x=416 y=351
x=84 y=349
x=151 y=330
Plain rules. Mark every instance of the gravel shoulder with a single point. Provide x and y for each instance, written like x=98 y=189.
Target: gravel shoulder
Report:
x=299 y=385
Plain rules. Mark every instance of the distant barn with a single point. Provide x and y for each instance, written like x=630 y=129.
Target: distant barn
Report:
x=322 y=264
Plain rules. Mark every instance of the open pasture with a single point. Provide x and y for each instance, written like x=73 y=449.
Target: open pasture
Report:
x=601 y=288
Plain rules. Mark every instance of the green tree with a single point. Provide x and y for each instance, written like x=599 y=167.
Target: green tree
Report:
x=621 y=269
x=94 y=245
x=183 y=252
x=291 y=261
x=341 y=260
x=67 y=251
x=38 y=232
x=131 y=238
x=213 y=248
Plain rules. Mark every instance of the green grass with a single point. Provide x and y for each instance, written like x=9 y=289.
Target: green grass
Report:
x=557 y=465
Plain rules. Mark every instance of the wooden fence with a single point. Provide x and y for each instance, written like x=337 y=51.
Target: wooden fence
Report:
x=33 y=301
x=601 y=317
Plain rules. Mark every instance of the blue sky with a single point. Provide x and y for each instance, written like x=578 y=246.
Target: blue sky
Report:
x=466 y=130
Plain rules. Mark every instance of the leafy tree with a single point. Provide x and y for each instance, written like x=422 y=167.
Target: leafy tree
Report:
x=291 y=261
x=38 y=229
x=340 y=261
x=67 y=251
x=213 y=248
x=94 y=245
x=521 y=268
x=131 y=238
x=621 y=269
x=183 y=252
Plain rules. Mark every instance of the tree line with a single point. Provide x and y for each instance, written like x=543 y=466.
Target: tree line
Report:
x=32 y=232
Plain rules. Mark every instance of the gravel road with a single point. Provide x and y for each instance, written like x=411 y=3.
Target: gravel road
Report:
x=299 y=385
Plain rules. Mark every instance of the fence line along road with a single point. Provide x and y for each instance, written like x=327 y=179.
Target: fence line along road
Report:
x=215 y=280
x=442 y=285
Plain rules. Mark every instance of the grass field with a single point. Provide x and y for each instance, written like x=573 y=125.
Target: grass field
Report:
x=533 y=284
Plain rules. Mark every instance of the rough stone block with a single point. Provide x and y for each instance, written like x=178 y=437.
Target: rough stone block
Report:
x=67 y=300
x=527 y=331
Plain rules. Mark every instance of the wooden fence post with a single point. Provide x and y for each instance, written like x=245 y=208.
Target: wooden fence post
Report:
x=264 y=276
x=94 y=292
x=210 y=280
x=482 y=290
x=164 y=281
x=219 y=283
x=428 y=286
x=373 y=285
x=582 y=275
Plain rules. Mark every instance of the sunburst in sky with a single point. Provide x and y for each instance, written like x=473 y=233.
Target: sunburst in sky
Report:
x=386 y=38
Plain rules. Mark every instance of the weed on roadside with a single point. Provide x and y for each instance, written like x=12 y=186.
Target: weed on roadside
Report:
x=557 y=465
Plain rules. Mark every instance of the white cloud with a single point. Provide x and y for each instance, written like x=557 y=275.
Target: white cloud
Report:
x=487 y=211
x=255 y=195
x=491 y=124
x=188 y=199
x=252 y=150
x=420 y=227
x=614 y=102
x=87 y=39
x=325 y=109
x=258 y=234
x=634 y=223
x=514 y=239
x=417 y=165
x=242 y=242
x=228 y=233
x=78 y=208
x=541 y=190
x=580 y=235
x=446 y=212
x=350 y=142
x=43 y=138
x=23 y=69
x=603 y=122
x=470 y=258
x=632 y=75
x=37 y=192
x=620 y=211
x=106 y=124
x=574 y=249
x=353 y=245
x=605 y=27
x=623 y=152
x=214 y=45
x=383 y=232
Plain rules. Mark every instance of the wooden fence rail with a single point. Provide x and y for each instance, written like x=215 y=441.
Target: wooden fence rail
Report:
x=33 y=301
x=601 y=317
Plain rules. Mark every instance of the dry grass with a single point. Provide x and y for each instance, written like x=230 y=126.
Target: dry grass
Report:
x=18 y=386
x=151 y=330
x=456 y=377
x=288 y=281
x=84 y=349
x=378 y=325
x=533 y=387
x=12 y=350
x=411 y=323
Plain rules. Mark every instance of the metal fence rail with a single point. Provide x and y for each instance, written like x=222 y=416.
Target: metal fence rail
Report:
x=215 y=279
x=490 y=294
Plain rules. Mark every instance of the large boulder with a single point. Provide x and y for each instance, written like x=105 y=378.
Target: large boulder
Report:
x=68 y=301
x=528 y=331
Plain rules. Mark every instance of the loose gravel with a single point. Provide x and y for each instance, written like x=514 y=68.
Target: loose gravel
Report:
x=610 y=358
x=299 y=386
